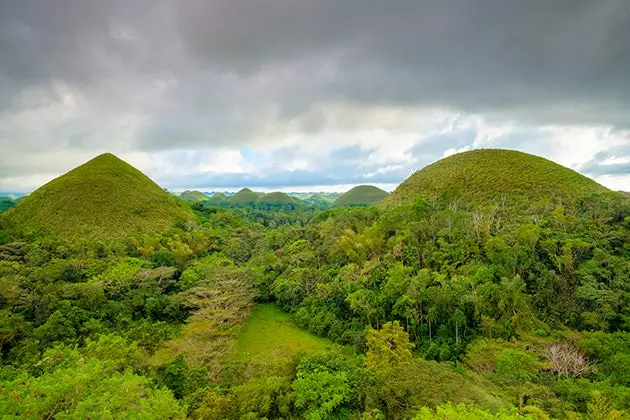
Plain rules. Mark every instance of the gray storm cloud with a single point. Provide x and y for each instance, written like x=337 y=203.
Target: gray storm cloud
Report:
x=166 y=74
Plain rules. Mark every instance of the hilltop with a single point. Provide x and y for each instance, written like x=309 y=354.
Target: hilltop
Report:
x=277 y=198
x=479 y=176
x=105 y=197
x=244 y=196
x=193 y=196
x=363 y=195
x=217 y=198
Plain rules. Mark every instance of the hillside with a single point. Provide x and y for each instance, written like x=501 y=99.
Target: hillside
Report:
x=105 y=197
x=244 y=196
x=217 y=198
x=363 y=195
x=479 y=176
x=193 y=196
x=277 y=198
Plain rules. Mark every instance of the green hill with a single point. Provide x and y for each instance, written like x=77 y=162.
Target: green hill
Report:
x=104 y=197
x=479 y=176
x=217 y=198
x=244 y=196
x=363 y=195
x=277 y=198
x=193 y=196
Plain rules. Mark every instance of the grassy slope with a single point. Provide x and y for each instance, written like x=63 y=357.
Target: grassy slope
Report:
x=193 y=196
x=269 y=332
x=363 y=195
x=105 y=197
x=277 y=198
x=244 y=196
x=480 y=175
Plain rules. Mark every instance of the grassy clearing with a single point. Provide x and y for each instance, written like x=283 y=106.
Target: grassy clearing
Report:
x=270 y=333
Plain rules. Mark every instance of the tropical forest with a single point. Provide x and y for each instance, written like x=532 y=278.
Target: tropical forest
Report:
x=489 y=284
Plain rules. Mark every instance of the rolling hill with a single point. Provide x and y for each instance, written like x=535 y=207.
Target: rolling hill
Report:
x=479 y=176
x=103 y=197
x=193 y=196
x=217 y=198
x=244 y=196
x=277 y=198
x=363 y=195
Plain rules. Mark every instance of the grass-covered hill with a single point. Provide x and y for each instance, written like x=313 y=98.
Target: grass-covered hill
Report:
x=479 y=176
x=363 y=195
x=244 y=196
x=104 y=197
x=217 y=198
x=193 y=196
x=277 y=198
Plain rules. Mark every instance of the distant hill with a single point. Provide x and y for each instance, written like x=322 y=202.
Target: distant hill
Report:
x=6 y=203
x=363 y=195
x=277 y=198
x=244 y=196
x=324 y=197
x=104 y=197
x=217 y=198
x=193 y=196
x=479 y=176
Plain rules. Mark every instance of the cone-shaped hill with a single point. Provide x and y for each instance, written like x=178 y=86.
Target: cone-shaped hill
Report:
x=217 y=198
x=244 y=196
x=104 y=197
x=479 y=176
x=193 y=196
x=277 y=198
x=363 y=195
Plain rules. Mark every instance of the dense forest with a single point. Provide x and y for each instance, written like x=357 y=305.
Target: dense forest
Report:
x=504 y=299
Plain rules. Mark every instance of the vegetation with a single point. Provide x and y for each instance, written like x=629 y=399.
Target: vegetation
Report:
x=217 y=198
x=483 y=176
x=105 y=197
x=6 y=204
x=363 y=195
x=277 y=198
x=193 y=196
x=430 y=309
x=270 y=333
x=244 y=196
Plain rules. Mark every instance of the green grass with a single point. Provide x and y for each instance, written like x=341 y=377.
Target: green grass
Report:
x=244 y=196
x=270 y=333
x=104 y=197
x=193 y=196
x=363 y=195
x=479 y=176
x=277 y=198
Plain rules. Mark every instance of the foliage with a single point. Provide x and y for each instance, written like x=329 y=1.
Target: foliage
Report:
x=105 y=197
x=244 y=196
x=193 y=196
x=509 y=298
x=363 y=195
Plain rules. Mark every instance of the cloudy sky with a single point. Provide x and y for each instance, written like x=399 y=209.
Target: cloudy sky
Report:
x=310 y=94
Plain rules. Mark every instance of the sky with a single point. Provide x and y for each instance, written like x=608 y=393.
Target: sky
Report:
x=305 y=95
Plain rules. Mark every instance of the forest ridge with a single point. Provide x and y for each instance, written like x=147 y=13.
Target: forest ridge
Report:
x=490 y=284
